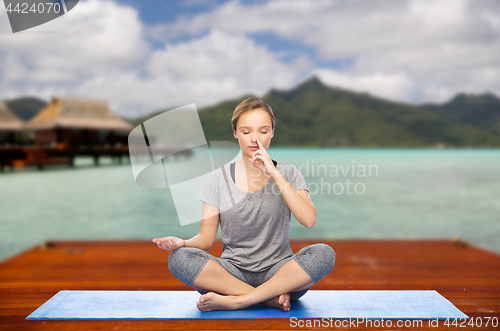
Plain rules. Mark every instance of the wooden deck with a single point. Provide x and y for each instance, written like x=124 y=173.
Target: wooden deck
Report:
x=467 y=276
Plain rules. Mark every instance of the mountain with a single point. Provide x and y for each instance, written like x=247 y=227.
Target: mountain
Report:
x=479 y=110
x=315 y=115
x=26 y=107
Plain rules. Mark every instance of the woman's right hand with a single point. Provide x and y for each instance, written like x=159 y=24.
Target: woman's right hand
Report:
x=169 y=243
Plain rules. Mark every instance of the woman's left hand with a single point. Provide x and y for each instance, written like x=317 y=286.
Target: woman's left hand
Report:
x=262 y=160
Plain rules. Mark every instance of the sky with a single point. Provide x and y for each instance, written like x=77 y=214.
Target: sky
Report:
x=149 y=55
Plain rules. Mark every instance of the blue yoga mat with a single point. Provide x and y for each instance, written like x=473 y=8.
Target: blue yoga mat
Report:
x=427 y=304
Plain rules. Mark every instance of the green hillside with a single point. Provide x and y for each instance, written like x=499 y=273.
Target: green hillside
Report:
x=313 y=114
x=479 y=110
x=26 y=107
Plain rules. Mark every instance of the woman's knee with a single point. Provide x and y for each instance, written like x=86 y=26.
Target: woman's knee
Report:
x=317 y=259
x=186 y=262
x=327 y=254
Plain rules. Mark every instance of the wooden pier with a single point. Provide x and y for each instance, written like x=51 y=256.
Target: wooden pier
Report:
x=467 y=276
x=41 y=157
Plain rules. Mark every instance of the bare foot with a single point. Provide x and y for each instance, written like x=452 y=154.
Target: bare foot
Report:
x=281 y=302
x=213 y=301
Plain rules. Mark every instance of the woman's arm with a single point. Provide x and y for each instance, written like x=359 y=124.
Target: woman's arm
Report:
x=299 y=202
x=208 y=229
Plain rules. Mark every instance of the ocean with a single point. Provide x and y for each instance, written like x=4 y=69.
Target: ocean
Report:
x=358 y=193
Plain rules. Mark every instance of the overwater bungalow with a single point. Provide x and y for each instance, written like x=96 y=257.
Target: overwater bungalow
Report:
x=71 y=122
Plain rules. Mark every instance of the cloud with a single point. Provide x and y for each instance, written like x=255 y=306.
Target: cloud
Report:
x=391 y=86
x=97 y=42
x=222 y=64
x=219 y=66
x=98 y=37
x=100 y=51
x=423 y=43
x=205 y=70
x=415 y=50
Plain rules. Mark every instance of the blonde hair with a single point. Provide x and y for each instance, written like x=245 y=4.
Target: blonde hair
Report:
x=251 y=104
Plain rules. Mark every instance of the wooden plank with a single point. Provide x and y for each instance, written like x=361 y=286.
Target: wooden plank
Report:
x=466 y=275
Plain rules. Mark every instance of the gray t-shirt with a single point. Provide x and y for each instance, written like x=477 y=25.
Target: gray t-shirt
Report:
x=256 y=230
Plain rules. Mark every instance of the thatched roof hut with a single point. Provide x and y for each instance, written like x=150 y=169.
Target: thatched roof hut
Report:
x=78 y=114
x=9 y=121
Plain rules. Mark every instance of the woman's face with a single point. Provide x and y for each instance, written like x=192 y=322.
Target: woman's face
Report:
x=252 y=124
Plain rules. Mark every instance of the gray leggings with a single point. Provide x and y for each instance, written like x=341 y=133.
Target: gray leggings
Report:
x=317 y=260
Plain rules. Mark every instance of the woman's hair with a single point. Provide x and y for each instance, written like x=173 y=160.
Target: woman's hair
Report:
x=251 y=104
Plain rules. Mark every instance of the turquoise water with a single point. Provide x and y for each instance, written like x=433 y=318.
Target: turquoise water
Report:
x=421 y=193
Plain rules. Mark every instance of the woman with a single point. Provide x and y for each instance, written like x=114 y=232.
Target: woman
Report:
x=257 y=264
